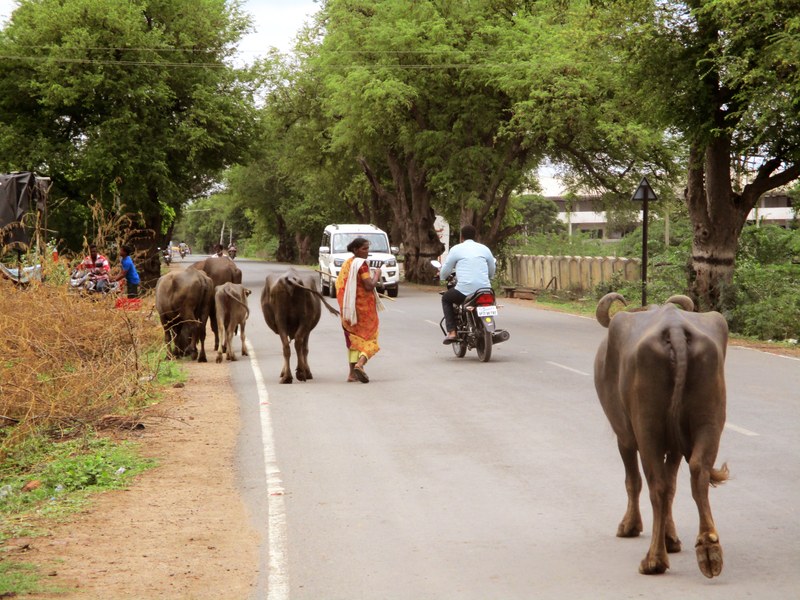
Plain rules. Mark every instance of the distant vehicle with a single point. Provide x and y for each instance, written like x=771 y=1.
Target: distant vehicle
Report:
x=333 y=252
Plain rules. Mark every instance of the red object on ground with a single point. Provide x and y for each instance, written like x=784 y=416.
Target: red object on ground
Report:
x=128 y=303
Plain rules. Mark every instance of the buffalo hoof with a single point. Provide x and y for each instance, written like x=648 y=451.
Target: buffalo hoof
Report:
x=202 y=358
x=219 y=358
x=286 y=379
x=673 y=544
x=628 y=529
x=709 y=554
x=300 y=375
x=653 y=566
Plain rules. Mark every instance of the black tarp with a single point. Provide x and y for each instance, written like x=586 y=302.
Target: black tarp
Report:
x=21 y=194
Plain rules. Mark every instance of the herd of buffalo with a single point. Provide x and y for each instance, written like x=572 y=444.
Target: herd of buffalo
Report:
x=659 y=374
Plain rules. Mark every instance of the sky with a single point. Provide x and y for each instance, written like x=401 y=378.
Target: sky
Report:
x=276 y=22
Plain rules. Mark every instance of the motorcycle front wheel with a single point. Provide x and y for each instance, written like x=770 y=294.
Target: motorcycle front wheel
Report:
x=483 y=343
x=459 y=348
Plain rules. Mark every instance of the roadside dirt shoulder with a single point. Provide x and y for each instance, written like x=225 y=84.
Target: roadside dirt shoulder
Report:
x=181 y=531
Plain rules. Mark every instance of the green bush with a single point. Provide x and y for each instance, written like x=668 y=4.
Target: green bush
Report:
x=767 y=301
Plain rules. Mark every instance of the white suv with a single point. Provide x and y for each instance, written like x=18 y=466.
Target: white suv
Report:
x=333 y=252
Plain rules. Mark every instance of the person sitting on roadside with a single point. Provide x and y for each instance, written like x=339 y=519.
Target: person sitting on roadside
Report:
x=90 y=262
x=101 y=277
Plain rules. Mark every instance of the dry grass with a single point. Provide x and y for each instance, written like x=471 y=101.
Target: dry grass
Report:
x=67 y=363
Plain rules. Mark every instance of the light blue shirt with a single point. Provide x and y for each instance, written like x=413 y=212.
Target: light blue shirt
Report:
x=474 y=266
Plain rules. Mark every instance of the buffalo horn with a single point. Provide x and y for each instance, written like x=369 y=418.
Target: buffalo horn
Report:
x=683 y=301
x=604 y=306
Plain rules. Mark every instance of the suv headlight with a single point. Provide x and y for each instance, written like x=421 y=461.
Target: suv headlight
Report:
x=338 y=262
x=391 y=262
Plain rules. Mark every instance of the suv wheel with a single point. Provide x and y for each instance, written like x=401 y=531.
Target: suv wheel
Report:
x=393 y=291
x=322 y=285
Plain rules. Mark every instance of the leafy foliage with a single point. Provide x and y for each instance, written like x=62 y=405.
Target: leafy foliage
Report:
x=130 y=103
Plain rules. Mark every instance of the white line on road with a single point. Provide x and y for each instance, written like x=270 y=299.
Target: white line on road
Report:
x=278 y=581
x=431 y=322
x=741 y=430
x=555 y=364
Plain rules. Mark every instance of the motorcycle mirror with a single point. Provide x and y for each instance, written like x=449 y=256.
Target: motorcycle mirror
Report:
x=436 y=264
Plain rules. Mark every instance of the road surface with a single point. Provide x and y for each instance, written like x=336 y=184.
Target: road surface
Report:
x=450 y=478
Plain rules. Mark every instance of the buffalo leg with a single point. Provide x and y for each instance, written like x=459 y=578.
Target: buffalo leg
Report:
x=286 y=373
x=671 y=539
x=631 y=524
x=701 y=466
x=303 y=370
x=220 y=327
x=241 y=335
x=660 y=486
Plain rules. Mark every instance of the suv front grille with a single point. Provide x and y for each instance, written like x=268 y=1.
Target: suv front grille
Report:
x=375 y=263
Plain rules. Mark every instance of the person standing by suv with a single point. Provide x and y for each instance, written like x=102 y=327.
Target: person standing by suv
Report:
x=359 y=304
x=474 y=265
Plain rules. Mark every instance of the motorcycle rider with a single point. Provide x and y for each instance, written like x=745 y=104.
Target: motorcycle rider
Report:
x=90 y=262
x=232 y=250
x=474 y=266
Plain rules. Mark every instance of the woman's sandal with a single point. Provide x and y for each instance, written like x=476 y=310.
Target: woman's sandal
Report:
x=360 y=374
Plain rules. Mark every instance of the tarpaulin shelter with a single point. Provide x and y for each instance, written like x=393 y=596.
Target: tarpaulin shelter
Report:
x=21 y=194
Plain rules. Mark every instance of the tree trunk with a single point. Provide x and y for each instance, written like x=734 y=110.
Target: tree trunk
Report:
x=718 y=215
x=303 y=243
x=286 y=247
x=410 y=203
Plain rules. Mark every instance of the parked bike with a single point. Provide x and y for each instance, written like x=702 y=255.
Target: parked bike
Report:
x=87 y=282
x=475 y=324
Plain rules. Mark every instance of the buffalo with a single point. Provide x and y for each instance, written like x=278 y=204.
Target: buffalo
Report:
x=230 y=301
x=183 y=299
x=659 y=375
x=290 y=302
x=220 y=269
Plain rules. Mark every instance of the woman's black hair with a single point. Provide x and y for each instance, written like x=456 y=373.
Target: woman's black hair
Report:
x=356 y=244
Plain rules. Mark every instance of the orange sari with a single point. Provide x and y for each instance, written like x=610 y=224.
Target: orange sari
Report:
x=363 y=335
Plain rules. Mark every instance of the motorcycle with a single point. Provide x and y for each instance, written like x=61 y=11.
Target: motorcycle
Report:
x=166 y=254
x=84 y=281
x=475 y=324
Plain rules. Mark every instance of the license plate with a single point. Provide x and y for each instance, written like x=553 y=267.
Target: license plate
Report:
x=487 y=311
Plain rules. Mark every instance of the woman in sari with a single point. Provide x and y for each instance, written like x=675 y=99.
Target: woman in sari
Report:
x=359 y=304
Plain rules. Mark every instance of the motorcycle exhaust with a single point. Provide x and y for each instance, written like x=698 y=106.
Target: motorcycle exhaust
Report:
x=501 y=335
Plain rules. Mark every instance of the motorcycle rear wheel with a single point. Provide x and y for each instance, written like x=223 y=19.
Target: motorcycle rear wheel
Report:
x=483 y=344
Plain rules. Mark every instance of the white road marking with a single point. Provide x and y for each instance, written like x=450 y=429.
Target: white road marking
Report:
x=278 y=581
x=555 y=364
x=432 y=322
x=767 y=352
x=741 y=430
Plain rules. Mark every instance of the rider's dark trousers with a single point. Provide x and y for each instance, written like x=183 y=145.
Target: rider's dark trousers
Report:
x=450 y=297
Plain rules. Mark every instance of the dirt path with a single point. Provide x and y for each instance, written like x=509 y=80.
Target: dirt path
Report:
x=181 y=531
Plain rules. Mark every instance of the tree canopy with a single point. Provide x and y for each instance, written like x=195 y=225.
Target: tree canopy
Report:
x=135 y=103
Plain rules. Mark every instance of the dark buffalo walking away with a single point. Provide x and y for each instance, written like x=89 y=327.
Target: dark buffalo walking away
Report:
x=230 y=300
x=183 y=299
x=660 y=378
x=291 y=305
x=221 y=269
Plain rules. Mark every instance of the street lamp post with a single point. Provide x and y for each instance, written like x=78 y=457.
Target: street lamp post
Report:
x=644 y=193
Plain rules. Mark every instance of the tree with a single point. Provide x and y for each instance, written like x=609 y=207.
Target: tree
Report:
x=131 y=102
x=725 y=76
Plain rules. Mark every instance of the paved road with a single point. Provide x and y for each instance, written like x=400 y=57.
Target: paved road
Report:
x=450 y=478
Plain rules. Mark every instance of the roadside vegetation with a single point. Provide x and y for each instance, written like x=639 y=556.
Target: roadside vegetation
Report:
x=761 y=303
x=78 y=376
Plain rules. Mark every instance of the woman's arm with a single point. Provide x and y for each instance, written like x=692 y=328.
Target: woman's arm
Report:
x=370 y=281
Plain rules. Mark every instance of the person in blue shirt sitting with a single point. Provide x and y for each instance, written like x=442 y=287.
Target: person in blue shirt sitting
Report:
x=474 y=266
x=129 y=273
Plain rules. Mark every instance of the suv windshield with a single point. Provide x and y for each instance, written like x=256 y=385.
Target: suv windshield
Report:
x=377 y=242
